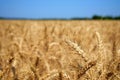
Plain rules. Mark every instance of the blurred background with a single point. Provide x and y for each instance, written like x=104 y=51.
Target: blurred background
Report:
x=60 y=9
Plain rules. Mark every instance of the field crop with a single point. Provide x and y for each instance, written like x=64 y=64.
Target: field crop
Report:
x=59 y=50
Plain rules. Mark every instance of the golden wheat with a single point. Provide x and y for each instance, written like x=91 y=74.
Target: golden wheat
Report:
x=37 y=50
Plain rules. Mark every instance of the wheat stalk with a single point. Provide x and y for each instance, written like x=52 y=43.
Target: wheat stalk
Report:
x=102 y=57
x=55 y=73
x=86 y=68
x=78 y=49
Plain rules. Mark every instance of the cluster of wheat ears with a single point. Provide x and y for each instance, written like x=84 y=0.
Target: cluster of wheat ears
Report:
x=57 y=53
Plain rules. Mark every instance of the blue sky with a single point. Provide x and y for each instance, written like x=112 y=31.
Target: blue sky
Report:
x=58 y=8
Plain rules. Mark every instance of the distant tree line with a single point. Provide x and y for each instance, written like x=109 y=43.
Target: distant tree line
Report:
x=95 y=17
x=2 y=18
x=105 y=17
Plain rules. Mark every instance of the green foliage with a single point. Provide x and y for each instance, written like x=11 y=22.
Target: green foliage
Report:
x=97 y=17
x=77 y=18
x=117 y=18
x=2 y=18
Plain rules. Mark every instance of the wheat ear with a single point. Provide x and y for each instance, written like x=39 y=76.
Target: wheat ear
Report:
x=78 y=49
x=102 y=64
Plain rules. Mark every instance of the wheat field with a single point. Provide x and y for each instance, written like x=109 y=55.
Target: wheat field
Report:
x=59 y=50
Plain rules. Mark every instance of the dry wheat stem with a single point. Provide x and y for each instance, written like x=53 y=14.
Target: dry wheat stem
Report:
x=86 y=68
x=56 y=73
x=51 y=74
x=45 y=61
